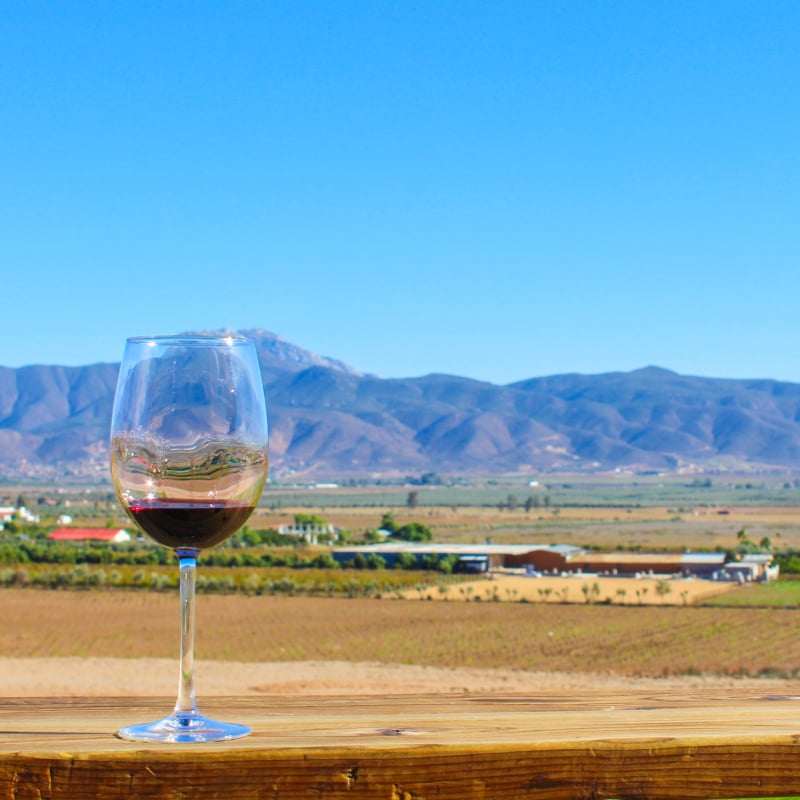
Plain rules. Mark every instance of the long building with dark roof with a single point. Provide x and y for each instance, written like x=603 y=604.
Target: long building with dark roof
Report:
x=561 y=559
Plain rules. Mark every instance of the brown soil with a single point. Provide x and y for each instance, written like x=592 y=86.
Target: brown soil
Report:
x=157 y=677
x=125 y=643
x=619 y=591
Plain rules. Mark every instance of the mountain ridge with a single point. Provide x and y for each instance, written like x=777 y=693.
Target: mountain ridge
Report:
x=327 y=418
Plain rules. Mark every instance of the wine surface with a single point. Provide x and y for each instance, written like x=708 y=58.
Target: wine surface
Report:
x=178 y=523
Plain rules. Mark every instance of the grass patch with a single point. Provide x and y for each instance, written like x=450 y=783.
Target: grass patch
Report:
x=778 y=594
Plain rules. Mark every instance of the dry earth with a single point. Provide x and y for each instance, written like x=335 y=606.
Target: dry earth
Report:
x=620 y=591
x=152 y=677
x=246 y=643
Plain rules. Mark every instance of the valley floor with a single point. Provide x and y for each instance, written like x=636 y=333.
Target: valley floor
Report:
x=157 y=677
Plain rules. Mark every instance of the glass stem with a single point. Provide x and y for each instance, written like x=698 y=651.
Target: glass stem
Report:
x=187 y=703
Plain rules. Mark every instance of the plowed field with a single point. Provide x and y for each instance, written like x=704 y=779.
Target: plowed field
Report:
x=609 y=639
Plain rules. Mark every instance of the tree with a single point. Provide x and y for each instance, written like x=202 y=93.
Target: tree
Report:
x=325 y=561
x=430 y=562
x=742 y=536
x=388 y=523
x=413 y=532
x=663 y=589
x=447 y=564
x=248 y=537
x=308 y=519
x=359 y=561
x=405 y=561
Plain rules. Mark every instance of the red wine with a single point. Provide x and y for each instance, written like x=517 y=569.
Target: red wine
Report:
x=181 y=523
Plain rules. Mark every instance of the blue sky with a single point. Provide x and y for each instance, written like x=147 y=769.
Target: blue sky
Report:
x=499 y=190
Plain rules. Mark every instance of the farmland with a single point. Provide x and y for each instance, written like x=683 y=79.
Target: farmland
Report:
x=620 y=640
x=605 y=514
x=256 y=612
x=645 y=512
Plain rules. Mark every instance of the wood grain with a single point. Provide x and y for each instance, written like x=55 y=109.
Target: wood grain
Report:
x=472 y=747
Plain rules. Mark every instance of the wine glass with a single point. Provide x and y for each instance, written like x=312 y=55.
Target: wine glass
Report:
x=189 y=460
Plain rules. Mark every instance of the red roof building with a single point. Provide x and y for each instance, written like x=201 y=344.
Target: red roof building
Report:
x=86 y=534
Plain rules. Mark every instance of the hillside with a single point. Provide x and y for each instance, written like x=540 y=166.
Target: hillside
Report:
x=327 y=418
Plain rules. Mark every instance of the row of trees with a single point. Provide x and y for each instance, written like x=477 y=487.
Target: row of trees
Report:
x=428 y=563
x=148 y=555
x=86 y=577
x=512 y=502
x=145 y=554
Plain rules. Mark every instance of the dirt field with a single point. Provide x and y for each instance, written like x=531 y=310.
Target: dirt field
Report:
x=125 y=643
x=157 y=677
x=579 y=589
x=649 y=528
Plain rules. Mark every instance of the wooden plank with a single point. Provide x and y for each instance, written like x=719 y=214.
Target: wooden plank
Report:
x=470 y=747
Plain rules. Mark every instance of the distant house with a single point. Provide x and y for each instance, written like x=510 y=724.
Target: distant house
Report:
x=308 y=532
x=115 y=535
x=9 y=513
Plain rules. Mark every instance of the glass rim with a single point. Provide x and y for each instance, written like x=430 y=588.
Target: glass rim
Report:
x=191 y=340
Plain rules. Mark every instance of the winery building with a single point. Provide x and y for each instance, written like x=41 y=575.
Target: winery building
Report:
x=541 y=559
x=470 y=557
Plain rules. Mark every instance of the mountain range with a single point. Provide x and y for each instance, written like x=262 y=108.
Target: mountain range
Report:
x=328 y=419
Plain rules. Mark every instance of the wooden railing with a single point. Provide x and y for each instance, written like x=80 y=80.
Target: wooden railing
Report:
x=438 y=747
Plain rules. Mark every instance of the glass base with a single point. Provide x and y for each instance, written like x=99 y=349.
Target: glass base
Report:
x=183 y=728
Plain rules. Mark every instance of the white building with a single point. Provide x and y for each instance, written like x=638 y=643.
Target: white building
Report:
x=309 y=533
x=21 y=514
